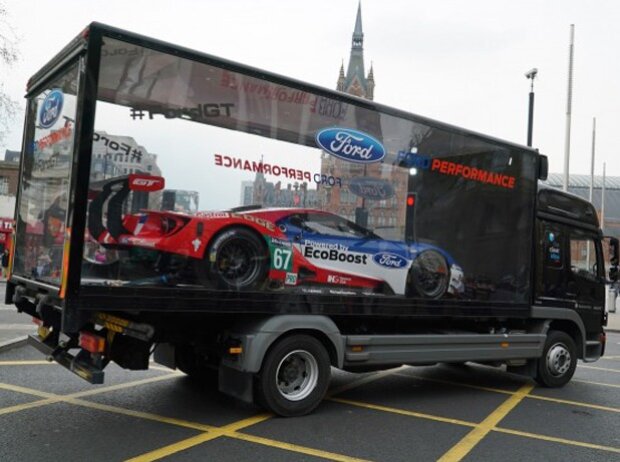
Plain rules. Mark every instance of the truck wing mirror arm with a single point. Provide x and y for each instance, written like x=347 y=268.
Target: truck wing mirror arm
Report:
x=614 y=257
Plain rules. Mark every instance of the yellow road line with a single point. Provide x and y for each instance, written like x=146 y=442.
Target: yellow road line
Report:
x=294 y=447
x=463 y=447
x=174 y=448
x=51 y=398
x=394 y=410
x=615 y=358
x=141 y=415
x=581 y=366
x=458 y=384
x=530 y=396
x=553 y=439
x=27 y=391
x=574 y=403
x=596 y=383
x=25 y=363
x=231 y=431
x=122 y=386
x=25 y=406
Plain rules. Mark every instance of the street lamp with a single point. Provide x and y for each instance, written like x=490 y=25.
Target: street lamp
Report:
x=531 y=75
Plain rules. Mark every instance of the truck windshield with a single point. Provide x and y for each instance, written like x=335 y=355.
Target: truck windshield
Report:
x=46 y=172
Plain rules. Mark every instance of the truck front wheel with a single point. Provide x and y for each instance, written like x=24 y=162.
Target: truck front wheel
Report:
x=294 y=377
x=559 y=360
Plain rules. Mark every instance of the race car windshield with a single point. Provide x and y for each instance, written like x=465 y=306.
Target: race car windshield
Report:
x=333 y=225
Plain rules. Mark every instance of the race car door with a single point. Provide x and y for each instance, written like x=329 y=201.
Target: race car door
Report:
x=335 y=244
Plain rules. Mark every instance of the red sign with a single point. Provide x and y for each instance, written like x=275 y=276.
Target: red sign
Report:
x=146 y=183
x=6 y=225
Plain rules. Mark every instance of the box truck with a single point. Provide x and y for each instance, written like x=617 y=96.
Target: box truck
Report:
x=334 y=231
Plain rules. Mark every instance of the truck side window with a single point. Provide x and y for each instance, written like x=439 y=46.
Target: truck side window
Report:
x=583 y=256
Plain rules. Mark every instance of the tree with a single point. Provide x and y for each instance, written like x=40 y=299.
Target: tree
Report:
x=8 y=56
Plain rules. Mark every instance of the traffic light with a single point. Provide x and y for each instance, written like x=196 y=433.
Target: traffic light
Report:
x=410 y=217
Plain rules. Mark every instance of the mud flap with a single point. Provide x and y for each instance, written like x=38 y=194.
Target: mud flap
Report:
x=236 y=383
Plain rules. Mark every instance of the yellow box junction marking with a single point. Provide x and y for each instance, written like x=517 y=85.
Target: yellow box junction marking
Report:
x=463 y=447
x=479 y=430
x=530 y=396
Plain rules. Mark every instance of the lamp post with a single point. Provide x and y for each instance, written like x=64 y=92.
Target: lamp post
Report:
x=531 y=75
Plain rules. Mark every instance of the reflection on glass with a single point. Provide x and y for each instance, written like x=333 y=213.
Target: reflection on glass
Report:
x=198 y=171
x=40 y=228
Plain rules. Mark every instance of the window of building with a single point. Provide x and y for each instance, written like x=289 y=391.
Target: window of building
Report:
x=4 y=186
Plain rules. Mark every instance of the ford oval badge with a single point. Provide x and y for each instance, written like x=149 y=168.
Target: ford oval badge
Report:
x=390 y=260
x=374 y=189
x=51 y=109
x=351 y=145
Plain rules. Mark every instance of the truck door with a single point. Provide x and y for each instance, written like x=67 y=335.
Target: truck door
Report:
x=585 y=276
x=551 y=262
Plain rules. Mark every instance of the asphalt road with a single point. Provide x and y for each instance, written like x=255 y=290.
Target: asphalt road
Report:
x=467 y=413
x=12 y=323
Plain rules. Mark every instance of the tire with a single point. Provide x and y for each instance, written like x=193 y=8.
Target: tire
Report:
x=559 y=360
x=294 y=377
x=237 y=259
x=430 y=274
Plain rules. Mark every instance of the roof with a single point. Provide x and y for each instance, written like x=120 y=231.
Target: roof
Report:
x=583 y=181
x=580 y=186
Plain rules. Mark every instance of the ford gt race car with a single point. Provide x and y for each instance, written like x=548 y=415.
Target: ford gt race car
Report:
x=250 y=248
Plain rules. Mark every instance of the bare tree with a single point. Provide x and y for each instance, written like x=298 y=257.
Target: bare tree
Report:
x=8 y=56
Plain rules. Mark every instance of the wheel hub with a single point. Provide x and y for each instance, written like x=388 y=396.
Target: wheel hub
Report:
x=297 y=375
x=558 y=360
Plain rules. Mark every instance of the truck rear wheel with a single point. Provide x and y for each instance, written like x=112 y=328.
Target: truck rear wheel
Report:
x=294 y=377
x=559 y=360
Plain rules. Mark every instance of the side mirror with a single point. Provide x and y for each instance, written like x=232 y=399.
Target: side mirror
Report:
x=614 y=257
x=543 y=167
x=614 y=251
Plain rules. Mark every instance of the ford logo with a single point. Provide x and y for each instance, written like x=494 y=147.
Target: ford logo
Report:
x=51 y=108
x=370 y=188
x=351 y=145
x=390 y=260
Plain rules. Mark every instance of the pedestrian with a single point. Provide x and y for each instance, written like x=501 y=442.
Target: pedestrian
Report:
x=5 y=263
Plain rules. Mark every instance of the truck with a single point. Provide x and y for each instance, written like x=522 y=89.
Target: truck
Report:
x=334 y=231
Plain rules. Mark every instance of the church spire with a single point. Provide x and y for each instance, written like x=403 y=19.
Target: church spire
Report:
x=340 y=84
x=358 y=35
x=370 y=83
x=355 y=81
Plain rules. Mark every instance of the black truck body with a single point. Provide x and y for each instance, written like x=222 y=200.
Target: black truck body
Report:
x=365 y=237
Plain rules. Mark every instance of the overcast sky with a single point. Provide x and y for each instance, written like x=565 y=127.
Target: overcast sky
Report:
x=461 y=62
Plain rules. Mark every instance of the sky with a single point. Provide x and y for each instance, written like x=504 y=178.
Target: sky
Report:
x=460 y=62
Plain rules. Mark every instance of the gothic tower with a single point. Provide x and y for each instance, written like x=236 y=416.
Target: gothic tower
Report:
x=355 y=82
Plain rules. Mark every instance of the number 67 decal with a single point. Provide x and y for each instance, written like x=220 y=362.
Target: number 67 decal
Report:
x=282 y=258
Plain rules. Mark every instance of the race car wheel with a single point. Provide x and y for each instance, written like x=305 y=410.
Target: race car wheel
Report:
x=238 y=259
x=430 y=274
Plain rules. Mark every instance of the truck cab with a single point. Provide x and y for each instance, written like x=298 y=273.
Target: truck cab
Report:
x=570 y=264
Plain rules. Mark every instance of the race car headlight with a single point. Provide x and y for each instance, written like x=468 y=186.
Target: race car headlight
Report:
x=457 y=280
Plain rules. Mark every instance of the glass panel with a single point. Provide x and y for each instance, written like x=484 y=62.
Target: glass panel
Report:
x=583 y=257
x=44 y=193
x=295 y=189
